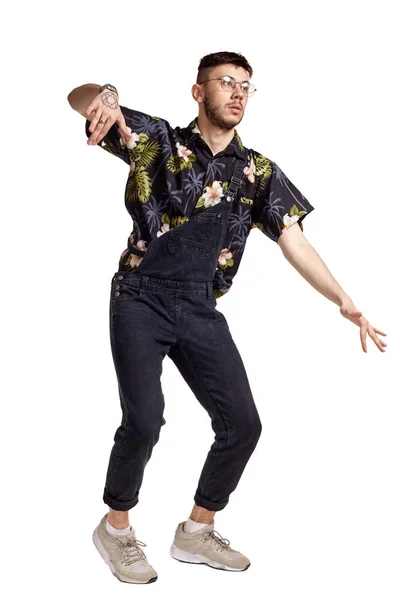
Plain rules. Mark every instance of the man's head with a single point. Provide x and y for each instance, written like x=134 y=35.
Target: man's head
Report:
x=216 y=94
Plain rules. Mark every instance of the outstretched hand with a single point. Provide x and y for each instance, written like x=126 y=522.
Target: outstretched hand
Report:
x=349 y=311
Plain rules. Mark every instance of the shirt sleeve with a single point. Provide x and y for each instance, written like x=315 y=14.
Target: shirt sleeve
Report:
x=138 y=123
x=277 y=204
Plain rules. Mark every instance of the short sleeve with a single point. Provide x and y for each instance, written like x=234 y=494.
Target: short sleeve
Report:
x=138 y=123
x=277 y=204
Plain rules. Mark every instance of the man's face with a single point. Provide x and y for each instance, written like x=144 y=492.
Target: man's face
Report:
x=219 y=104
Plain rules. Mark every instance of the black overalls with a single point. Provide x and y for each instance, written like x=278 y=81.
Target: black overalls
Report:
x=166 y=307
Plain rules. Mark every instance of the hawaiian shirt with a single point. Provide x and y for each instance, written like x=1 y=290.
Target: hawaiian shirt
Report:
x=173 y=175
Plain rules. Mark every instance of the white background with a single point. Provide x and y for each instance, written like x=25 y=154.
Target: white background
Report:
x=317 y=508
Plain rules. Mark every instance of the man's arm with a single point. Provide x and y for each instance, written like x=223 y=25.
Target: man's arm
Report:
x=302 y=256
x=305 y=259
x=81 y=97
x=105 y=121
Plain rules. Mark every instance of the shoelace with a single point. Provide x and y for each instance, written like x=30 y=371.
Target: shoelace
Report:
x=217 y=540
x=131 y=552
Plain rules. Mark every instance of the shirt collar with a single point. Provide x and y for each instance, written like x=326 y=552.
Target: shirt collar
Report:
x=235 y=146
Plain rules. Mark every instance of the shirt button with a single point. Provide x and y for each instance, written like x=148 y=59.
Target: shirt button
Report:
x=117 y=287
x=116 y=294
x=120 y=277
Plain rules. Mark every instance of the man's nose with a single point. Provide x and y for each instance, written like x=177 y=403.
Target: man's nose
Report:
x=238 y=92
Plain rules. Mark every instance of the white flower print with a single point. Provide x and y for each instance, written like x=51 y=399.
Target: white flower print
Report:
x=132 y=167
x=135 y=260
x=250 y=171
x=183 y=152
x=225 y=254
x=132 y=140
x=212 y=194
x=163 y=229
x=197 y=130
x=141 y=245
x=288 y=221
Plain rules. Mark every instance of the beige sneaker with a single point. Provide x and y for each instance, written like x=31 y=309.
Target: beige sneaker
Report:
x=207 y=546
x=123 y=555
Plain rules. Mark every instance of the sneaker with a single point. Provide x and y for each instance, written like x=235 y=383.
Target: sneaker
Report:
x=207 y=546
x=123 y=555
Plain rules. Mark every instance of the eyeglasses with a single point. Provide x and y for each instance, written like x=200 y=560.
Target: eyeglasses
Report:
x=228 y=84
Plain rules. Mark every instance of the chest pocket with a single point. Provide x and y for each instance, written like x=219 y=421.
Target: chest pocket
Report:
x=198 y=236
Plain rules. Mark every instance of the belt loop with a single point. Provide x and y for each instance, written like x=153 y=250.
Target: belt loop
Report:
x=143 y=282
x=209 y=289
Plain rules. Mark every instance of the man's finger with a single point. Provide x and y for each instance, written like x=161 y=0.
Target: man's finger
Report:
x=123 y=129
x=363 y=337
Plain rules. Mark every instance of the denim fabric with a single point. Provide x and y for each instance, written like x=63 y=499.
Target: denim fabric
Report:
x=176 y=315
x=174 y=175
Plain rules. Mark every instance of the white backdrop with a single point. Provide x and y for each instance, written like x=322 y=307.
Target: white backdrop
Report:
x=317 y=508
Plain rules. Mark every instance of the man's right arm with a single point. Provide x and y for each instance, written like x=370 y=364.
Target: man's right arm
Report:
x=120 y=138
x=81 y=97
x=93 y=103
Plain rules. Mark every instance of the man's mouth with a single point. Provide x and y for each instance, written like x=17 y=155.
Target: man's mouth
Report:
x=236 y=109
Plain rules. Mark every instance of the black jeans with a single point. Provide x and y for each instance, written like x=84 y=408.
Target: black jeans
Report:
x=166 y=307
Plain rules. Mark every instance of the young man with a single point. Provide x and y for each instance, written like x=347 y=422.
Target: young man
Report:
x=194 y=194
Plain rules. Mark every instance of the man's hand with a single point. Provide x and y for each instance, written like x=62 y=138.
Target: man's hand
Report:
x=349 y=311
x=105 y=107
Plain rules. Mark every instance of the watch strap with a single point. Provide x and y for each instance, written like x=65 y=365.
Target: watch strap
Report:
x=108 y=86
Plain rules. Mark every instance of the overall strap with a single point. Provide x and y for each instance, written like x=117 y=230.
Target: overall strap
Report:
x=236 y=179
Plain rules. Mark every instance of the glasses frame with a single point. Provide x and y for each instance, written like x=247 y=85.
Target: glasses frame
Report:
x=233 y=79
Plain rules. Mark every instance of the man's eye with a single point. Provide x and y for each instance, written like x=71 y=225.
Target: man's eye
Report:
x=245 y=87
x=227 y=80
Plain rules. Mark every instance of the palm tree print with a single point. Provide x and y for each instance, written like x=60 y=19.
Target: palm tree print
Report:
x=214 y=170
x=272 y=210
x=173 y=195
x=173 y=175
x=283 y=180
x=239 y=226
x=146 y=124
x=193 y=184
x=153 y=211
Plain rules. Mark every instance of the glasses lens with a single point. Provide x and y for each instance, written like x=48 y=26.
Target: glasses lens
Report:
x=248 y=89
x=227 y=83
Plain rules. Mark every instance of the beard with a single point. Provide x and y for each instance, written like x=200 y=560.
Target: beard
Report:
x=213 y=114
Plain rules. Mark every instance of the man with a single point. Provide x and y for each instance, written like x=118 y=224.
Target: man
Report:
x=194 y=194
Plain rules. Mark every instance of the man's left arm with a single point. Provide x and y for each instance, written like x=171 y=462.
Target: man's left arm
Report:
x=305 y=259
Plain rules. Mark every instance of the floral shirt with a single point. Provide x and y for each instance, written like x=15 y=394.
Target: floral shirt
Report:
x=173 y=175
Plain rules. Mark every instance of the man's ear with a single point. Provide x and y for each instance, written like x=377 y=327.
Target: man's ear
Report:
x=197 y=93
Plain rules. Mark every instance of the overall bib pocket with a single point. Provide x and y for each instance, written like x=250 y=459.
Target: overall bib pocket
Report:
x=197 y=237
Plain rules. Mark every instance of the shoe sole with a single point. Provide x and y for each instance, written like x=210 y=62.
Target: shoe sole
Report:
x=199 y=559
x=106 y=557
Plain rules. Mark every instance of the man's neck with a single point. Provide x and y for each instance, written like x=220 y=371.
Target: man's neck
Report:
x=216 y=139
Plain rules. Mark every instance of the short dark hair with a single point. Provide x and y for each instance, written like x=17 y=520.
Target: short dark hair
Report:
x=210 y=61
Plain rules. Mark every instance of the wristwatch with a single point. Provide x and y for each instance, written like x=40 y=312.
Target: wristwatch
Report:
x=108 y=86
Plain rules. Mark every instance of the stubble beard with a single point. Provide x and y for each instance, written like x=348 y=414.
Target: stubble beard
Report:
x=213 y=115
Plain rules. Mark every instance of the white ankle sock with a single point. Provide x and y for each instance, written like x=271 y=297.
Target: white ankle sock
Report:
x=113 y=531
x=191 y=526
